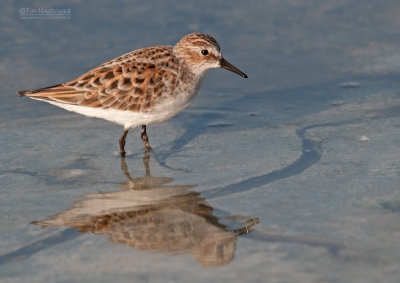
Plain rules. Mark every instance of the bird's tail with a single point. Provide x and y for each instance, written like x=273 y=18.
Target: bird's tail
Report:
x=57 y=93
x=23 y=92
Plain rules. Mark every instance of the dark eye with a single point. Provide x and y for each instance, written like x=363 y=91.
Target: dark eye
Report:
x=204 y=52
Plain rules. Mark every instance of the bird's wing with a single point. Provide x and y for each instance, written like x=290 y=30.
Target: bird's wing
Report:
x=133 y=86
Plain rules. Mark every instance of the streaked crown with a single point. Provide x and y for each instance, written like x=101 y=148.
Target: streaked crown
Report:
x=200 y=39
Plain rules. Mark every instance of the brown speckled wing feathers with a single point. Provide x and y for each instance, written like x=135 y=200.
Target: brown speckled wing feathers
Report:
x=122 y=83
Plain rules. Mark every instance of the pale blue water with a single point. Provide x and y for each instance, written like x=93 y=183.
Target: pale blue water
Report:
x=291 y=175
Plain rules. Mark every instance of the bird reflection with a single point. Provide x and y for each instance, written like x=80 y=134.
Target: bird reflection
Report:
x=147 y=214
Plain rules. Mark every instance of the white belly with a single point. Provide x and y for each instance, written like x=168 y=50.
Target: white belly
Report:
x=129 y=119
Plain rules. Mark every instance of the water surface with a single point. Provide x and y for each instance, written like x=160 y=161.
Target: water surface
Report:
x=289 y=176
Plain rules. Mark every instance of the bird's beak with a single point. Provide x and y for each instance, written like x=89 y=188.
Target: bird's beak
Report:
x=226 y=65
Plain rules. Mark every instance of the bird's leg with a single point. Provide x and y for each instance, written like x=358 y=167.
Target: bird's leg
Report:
x=124 y=168
x=145 y=138
x=146 y=159
x=122 y=142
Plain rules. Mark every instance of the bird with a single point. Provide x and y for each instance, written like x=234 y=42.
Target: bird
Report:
x=141 y=87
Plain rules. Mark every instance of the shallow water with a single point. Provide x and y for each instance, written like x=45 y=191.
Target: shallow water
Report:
x=289 y=176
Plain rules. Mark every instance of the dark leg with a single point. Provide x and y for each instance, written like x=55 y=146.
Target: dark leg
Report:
x=146 y=159
x=145 y=138
x=122 y=142
x=124 y=168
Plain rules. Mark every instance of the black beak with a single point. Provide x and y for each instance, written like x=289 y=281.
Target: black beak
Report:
x=226 y=65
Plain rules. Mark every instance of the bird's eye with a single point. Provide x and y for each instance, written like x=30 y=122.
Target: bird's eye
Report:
x=204 y=52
